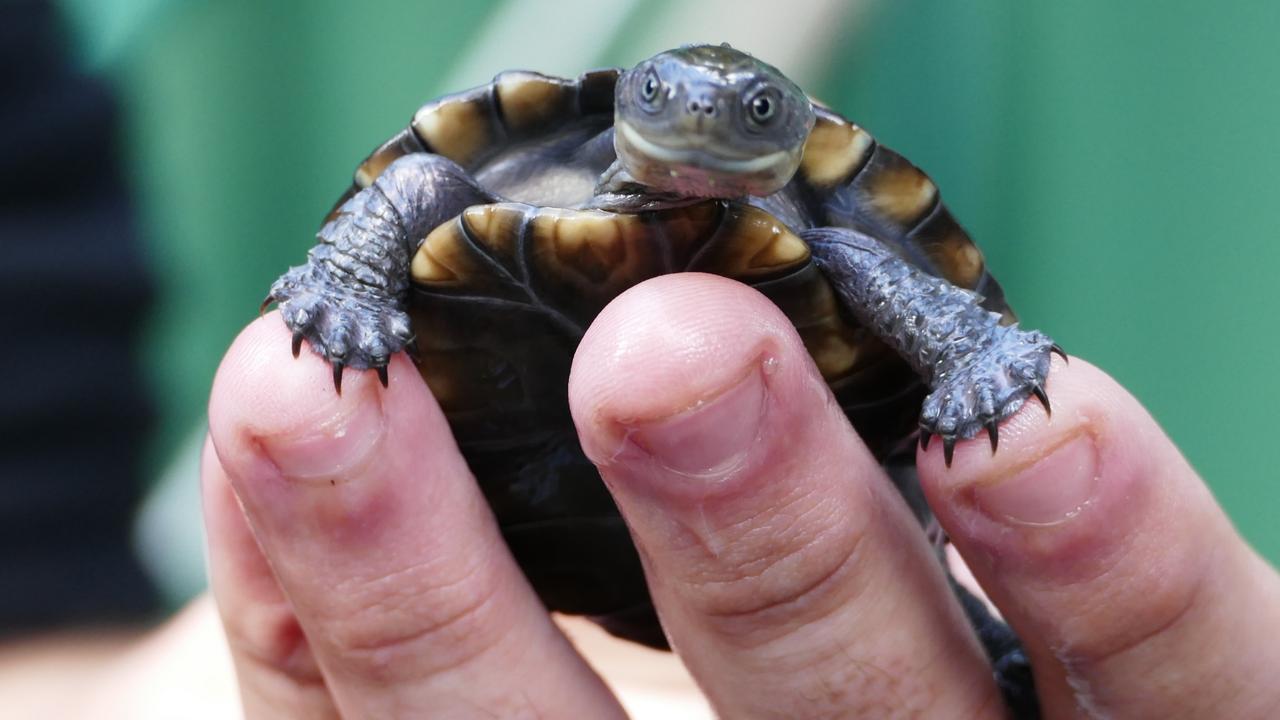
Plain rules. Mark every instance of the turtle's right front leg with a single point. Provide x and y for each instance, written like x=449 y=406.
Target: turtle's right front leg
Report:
x=979 y=371
x=349 y=300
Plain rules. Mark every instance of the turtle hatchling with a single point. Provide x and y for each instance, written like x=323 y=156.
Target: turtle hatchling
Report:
x=486 y=236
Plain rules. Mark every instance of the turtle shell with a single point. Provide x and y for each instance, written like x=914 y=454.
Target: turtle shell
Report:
x=503 y=293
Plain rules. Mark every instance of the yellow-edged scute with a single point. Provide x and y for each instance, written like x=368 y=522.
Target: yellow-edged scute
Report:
x=460 y=127
x=812 y=307
x=834 y=151
x=445 y=257
x=686 y=230
x=592 y=248
x=503 y=291
x=900 y=192
x=496 y=227
x=530 y=101
x=833 y=348
x=578 y=260
x=401 y=144
x=951 y=250
x=964 y=260
x=751 y=244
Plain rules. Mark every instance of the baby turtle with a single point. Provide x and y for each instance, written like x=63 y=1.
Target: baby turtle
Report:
x=499 y=223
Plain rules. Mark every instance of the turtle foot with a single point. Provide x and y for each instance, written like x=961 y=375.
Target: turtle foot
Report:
x=974 y=392
x=351 y=327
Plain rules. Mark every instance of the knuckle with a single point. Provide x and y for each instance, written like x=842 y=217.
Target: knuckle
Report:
x=420 y=620
x=1167 y=602
x=755 y=578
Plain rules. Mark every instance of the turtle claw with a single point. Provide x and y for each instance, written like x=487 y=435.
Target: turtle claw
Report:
x=412 y=350
x=1056 y=349
x=337 y=376
x=262 y=309
x=975 y=392
x=382 y=374
x=1043 y=397
x=345 y=327
x=948 y=448
x=925 y=437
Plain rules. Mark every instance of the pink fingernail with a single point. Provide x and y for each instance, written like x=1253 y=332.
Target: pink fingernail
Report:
x=332 y=447
x=1050 y=491
x=713 y=436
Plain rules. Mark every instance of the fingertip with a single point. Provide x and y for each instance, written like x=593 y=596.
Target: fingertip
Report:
x=312 y=467
x=1096 y=539
x=1076 y=481
x=271 y=413
x=692 y=394
x=761 y=517
x=380 y=537
x=689 y=330
x=673 y=347
x=260 y=386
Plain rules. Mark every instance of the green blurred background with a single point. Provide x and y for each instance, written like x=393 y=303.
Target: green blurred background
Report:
x=1117 y=162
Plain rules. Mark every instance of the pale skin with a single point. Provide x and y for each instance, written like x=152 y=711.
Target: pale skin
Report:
x=358 y=572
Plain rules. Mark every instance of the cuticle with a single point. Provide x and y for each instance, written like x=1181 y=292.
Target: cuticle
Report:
x=995 y=478
x=627 y=427
x=972 y=490
x=335 y=426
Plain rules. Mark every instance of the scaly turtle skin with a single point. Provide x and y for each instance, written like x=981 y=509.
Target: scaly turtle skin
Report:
x=503 y=219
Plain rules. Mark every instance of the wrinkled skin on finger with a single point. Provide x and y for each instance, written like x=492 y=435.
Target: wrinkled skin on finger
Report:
x=359 y=572
x=399 y=597
x=1132 y=591
x=787 y=571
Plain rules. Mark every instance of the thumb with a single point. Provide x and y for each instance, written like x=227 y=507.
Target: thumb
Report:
x=1132 y=591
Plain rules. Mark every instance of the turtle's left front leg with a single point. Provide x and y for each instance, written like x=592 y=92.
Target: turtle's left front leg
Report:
x=978 y=370
x=350 y=300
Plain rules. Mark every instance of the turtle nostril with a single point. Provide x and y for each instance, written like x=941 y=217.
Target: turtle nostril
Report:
x=706 y=106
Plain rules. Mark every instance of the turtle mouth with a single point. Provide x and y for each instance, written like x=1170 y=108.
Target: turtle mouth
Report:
x=701 y=157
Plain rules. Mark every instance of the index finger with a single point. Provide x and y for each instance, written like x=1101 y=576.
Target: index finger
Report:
x=383 y=544
x=1106 y=552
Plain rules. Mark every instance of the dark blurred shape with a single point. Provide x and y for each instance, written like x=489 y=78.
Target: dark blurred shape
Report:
x=73 y=292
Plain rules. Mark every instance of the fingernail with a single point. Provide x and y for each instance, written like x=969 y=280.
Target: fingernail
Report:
x=330 y=448
x=710 y=438
x=1050 y=491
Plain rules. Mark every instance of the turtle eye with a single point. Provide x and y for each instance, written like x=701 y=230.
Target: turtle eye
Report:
x=762 y=107
x=650 y=87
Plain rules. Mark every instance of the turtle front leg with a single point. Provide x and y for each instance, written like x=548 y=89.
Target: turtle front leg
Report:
x=978 y=370
x=349 y=300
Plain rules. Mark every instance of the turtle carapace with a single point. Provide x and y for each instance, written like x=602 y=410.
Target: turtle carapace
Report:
x=490 y=232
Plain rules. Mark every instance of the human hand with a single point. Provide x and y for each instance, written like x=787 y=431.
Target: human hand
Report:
x=790 y=577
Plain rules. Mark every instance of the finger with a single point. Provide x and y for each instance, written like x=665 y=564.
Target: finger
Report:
x=384 y=545
x=1134 y=594
x=792 y=579
x=275 y=668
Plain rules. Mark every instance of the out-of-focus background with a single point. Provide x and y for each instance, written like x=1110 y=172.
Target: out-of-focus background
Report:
x=1118 y=162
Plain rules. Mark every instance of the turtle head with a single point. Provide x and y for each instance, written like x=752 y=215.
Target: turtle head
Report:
x=710 y=121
